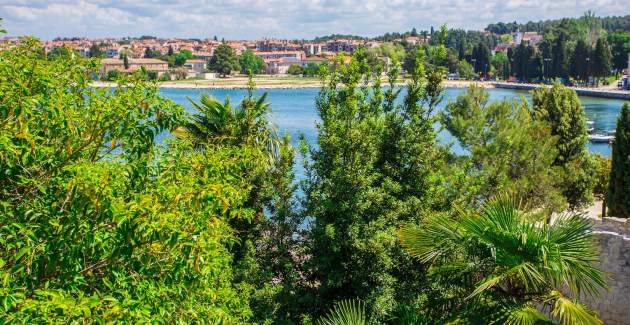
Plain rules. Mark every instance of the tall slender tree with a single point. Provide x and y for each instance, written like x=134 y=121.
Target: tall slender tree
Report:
x=579 y=67
x=618 y=197
x=559 y=55
x=602 y=59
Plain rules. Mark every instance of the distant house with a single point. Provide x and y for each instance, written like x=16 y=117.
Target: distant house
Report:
x=195 y=65
x=281 y=66
x=112 y=52
x=83 y=51
x=313 y=48
x=342 y=45
x=503 y=47
x=533 y=38
x=297 y=55
x=203 y=55
x=628 y=69
x=154 y=65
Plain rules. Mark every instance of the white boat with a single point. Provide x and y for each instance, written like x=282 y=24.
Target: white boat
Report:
x=601 y=138
x=590 y=126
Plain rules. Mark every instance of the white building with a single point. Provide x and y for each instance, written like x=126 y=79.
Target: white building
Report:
x=628 y=69
x=196 y=66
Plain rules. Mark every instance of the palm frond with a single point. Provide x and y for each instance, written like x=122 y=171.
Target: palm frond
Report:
x=430 y=240
x=345 y=312
x=525 y=314
x=570 y=312
x=575 y=254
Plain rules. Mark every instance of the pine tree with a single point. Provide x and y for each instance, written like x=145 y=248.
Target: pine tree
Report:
x=618 y=197
x=224 y=60
x=561 y=108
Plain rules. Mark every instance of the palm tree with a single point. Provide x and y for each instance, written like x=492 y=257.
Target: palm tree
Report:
x=247 y=124
x=500 y=266
x=345 y=312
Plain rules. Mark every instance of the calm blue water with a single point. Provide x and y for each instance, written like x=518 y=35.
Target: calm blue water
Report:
x=293 y=110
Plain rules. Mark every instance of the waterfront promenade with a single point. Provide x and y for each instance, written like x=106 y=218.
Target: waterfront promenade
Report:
x=292 y=82
x=591 y=92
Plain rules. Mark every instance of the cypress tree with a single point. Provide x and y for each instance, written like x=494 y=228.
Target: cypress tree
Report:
x=618 y=197
x=602 y=59
x=579 y=62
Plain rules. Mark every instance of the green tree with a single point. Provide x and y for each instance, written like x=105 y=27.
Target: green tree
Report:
x=376 y=165
x=251 y=63
x=112 y=75
x=96 y=51
x=180 y=59
x=312 y=69
x=60 y=52
x=224 y=60
x=496 y=266
x=465 y=70
x=560 y=55
x=187 y=53
x=507 y=150
x=501 y=65
x=561 y=108
x=481 y=57
x=266 y=253
x=618 y=197
x=619 y=47
x=580 y=61
x=602 y=59
x=126 y=62
x=98 y=221
x=295 y=70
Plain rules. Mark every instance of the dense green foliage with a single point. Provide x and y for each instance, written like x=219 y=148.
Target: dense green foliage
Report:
x=376 y=166
x=508 y=150
x=117 y=206
x=224 y=60
x=619 y=47
x=266 y=255
x=576 y=48
x=251 y=63
x=97 y=221
x=561 y=108
x=612 y=23
x=497 y=266
x=345 y=312
x=618 y=199
x=295 y=70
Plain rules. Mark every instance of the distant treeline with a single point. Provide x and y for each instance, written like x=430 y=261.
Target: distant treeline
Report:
x=611 y=24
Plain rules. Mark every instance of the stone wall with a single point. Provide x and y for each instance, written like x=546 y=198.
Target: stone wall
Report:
x=613 y=305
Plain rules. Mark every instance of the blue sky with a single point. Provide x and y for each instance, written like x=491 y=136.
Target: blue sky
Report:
x=245 y=19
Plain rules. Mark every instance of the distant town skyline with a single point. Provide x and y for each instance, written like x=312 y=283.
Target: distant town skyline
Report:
x=252 y=19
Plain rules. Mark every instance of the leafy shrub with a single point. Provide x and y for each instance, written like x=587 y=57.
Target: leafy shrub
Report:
x=98 y=223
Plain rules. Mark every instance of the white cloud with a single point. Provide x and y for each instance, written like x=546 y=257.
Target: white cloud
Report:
x=275 y=18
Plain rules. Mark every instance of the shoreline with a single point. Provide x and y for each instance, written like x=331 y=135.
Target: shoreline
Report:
x=296 y=83
x=274 y=84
